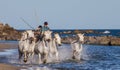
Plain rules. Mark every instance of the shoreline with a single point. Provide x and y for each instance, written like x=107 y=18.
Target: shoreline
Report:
x=8 y=46
x=4 y=66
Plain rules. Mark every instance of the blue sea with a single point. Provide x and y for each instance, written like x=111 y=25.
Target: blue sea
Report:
x=93 y=57
x=98 y=32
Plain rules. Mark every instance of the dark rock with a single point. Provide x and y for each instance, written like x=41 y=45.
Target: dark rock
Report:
x=8 y=33
x=97 y=40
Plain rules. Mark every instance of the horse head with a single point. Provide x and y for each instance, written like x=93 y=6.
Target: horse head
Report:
x=57 y=39
x=80 y=37
x=27 y=34
x=47 y=35
x=30 y=33
x=24 y=36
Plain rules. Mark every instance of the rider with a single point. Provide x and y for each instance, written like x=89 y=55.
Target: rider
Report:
x=45 y=27
x=39 y=28
x=38 y=32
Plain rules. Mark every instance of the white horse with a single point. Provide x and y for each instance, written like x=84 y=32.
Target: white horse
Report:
x=42 y=51
x=77 y=46
x=48 y=46
x=26 y=45
x=41 y=48
x=57 y=39
x=53 y=44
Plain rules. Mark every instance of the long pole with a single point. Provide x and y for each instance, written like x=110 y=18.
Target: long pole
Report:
x=27 y=23
x=37 y=18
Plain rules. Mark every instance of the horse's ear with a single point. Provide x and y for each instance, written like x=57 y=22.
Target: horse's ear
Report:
x=26 y=32
x=51 y=31
x=78 y=34
x=83 y=34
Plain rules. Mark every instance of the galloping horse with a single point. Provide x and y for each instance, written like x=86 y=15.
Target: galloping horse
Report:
x=42 y=51
x=53 y=44
x=26 y=45
x=48 y=46
x=41 y=48
x=77 y=46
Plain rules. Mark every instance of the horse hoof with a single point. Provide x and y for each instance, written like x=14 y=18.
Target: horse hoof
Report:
x=58 y=61
x=59 y=45
x=73 y=57
x=45 y=62
x=25 y=61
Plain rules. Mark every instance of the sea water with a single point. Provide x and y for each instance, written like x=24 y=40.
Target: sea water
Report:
x=94 y=57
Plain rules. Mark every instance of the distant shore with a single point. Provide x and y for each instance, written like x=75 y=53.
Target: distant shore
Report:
x=97 y=40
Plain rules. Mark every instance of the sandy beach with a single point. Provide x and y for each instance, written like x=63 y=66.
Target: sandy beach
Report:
x=8 y=45
x=7 y=66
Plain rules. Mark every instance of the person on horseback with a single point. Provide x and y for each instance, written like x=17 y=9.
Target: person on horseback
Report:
x=38 y=32
x=45 y=27
x=39 y=28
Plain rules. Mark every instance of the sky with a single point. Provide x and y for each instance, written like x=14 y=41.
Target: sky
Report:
x=61 y=14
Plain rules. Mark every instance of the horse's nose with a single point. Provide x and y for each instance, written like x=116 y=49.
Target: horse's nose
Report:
x=48 y=40
x=59 y=45
x=25 y=60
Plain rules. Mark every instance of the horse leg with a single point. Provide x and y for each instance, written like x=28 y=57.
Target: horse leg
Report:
x=73 y=55
x=45 y=58
x=25 y=57
x=20 y=56
x=50 y=54
x=32 y=54
x=77 y=55
x=80 y=52
x=56 y=55
x=39 y=58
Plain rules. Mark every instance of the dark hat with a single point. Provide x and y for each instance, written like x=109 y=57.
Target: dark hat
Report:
x=39 y=26
x=45 y=23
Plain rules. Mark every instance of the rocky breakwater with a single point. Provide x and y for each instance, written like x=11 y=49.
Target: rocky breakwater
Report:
x=94 y=40
x=100 y=40
x=103 y=40
x=8 y=33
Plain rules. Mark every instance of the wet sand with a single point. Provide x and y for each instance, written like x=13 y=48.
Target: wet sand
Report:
x=8 y=46
x=7 y=66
